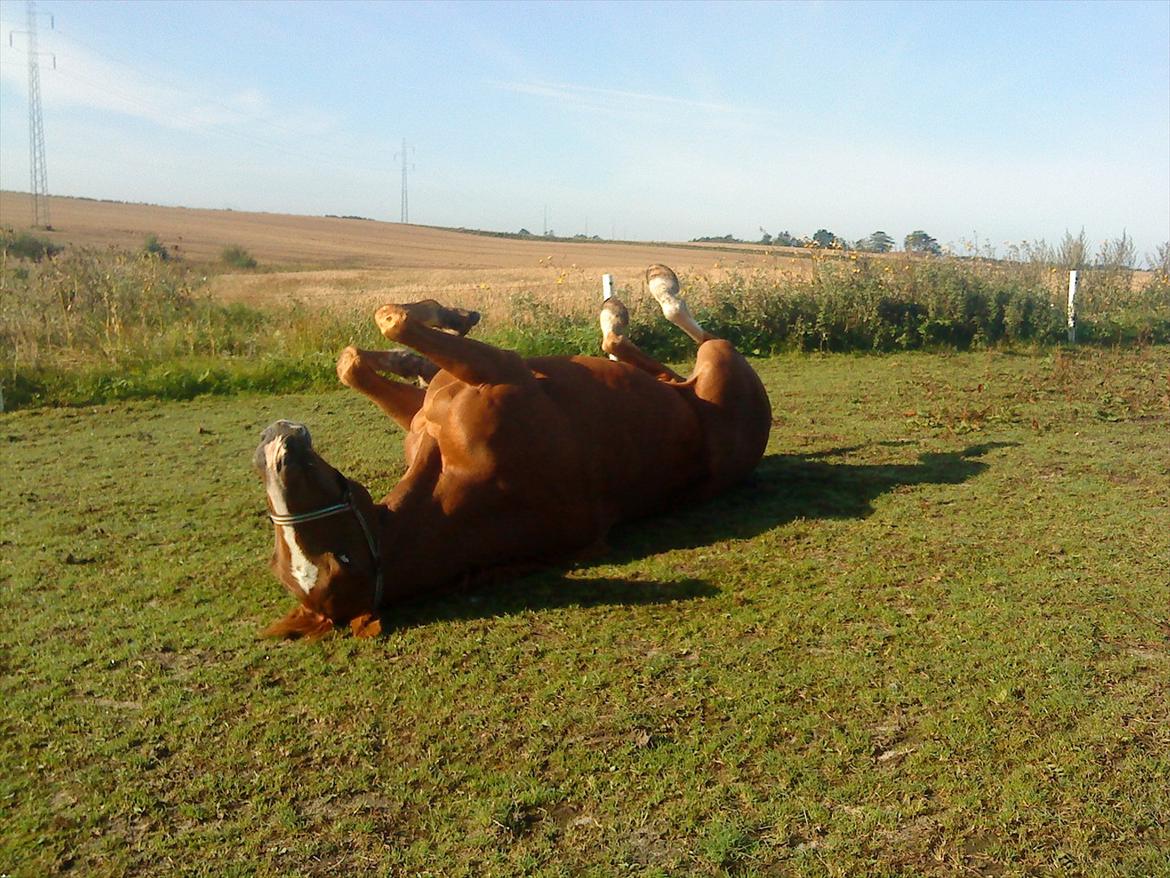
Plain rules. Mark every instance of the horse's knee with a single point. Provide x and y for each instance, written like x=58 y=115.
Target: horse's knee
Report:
x=391 y=320
x=737 y=415
x=348 y=365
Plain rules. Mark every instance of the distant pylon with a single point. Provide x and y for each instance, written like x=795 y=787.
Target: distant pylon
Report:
x=38 y=175
x=406 y=164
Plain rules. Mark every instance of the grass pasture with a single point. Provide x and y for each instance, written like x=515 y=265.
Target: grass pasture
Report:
x=929 y=637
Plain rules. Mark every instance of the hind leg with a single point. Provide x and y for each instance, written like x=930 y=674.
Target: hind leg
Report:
x=359 y=369
x=614 y=321
x=735 y=412
x=422 y=326
x=663 y=286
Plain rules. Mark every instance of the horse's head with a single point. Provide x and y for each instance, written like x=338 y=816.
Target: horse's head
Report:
x=327 y=536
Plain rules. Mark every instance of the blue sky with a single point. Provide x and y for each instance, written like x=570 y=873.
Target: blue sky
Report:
x=652 y=121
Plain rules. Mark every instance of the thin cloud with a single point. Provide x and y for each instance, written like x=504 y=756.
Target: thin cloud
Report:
x=89 y=79
x=619 y=101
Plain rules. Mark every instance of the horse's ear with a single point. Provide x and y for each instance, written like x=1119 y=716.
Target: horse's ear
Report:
x=366 y=625
x=301 y=622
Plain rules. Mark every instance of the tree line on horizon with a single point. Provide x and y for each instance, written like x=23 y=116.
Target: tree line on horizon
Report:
x=1072 y=251
x=917 y=241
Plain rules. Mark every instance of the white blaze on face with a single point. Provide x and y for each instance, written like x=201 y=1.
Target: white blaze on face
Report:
x=303 y=570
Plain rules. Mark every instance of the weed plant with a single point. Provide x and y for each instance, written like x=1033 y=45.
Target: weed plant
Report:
x=156 y=247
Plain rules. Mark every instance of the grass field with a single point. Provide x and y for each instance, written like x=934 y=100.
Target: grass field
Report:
x=929 y=637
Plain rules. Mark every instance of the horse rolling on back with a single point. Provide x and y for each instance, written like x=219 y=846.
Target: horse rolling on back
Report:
x=510 y=461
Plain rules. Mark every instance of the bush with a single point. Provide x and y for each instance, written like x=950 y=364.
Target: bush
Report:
x=536 y=329
x=26 y=246
x=155 y=247
x=872 y=304
x=96 y=325
x=89 y=303
x=237 y=257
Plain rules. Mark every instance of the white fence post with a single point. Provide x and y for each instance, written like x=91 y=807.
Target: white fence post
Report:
x=607 y=294
x=1072 y=307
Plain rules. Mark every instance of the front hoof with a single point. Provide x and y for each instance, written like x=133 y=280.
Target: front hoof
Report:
x=467 y=320
x=347 y=366
x=390 y=320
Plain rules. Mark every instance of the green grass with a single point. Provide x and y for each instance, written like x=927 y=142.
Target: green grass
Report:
x=929 y=637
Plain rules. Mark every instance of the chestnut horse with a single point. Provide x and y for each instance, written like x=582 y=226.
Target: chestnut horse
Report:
x=509 y=460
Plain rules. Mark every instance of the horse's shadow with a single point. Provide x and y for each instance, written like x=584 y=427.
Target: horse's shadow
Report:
x=787 y=487
x=783 y=488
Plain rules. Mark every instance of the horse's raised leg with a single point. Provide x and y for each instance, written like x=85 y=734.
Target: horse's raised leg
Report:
x=614 y=321
x=663 y=286
x=468 y=360
x=735 y=413
x=457 y=321
x=359 y=369
x=403 y=363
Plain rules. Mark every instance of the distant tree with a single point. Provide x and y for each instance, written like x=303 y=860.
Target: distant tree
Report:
x=920 y=242
x=878 y=242
x=825 y=238
x=786 y=239
x=765 y=238
x=721 y=239
x=524 y=233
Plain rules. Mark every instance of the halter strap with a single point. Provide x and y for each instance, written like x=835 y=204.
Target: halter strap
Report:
x=346 y=505
x=302 y=517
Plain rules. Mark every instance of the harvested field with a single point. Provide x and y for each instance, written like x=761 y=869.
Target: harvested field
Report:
x=326 y=261
x=282 y=240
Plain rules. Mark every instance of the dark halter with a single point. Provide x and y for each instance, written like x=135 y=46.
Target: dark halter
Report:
x=346 y=505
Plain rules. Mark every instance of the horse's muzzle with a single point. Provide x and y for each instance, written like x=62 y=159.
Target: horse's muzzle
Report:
x=283 y=442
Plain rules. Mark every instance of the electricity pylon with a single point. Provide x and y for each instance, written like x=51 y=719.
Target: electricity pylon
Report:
x=406 y=164
x=38 y=185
